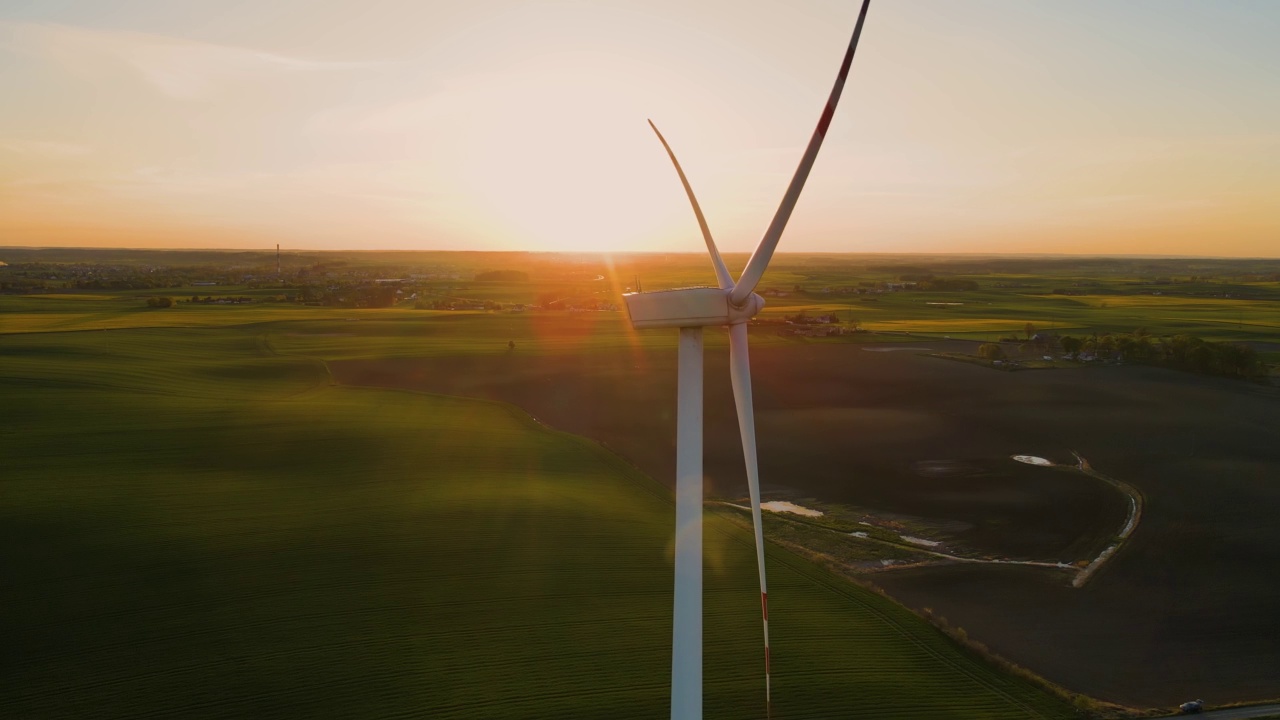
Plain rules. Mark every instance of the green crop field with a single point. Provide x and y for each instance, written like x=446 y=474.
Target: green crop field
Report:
x=197 y=523
x=1222 y=300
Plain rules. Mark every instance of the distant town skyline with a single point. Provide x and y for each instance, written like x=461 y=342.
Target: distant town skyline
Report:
x=1149 y=127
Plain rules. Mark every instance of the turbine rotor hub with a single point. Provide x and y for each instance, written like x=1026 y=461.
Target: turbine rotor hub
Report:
x=749 y=308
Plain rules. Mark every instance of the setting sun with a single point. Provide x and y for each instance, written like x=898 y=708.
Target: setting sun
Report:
x=991 y=127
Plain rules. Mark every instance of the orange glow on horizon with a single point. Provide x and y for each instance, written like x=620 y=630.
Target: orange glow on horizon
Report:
x=1009 y=127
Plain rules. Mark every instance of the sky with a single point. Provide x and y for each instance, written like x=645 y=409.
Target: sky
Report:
x=1019 y=126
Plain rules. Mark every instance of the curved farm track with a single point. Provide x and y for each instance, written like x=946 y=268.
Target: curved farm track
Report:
x=1079 y=574
x=1130 y=524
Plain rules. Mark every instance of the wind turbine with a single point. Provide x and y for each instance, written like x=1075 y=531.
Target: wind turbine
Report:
x=690 y=310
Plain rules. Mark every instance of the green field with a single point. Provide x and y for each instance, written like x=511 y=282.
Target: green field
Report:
x=197 y=523
x=1216 y=299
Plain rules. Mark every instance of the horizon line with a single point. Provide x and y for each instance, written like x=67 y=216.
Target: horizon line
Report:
x=974 y=254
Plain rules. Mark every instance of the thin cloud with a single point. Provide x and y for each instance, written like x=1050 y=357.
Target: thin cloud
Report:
x=45 y=148
x=178 y=67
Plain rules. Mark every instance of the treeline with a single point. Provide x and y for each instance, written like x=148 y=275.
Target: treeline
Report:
x=504 y=275
x=158 y=282
x=226 y=299
x=947 y=284
x=461 y=304
x=23 y=284
x=938 y=284
x=160 y=301
x=1181 y=352
x=356 y=296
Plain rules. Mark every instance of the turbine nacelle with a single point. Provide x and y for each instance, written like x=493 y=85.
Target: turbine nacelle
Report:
x=689 y=307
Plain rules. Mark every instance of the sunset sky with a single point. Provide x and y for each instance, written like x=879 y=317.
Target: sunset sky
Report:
x=1143 y=126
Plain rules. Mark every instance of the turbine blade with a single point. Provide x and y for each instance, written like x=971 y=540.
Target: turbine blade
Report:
x=760 y=258
x=722 y=273
x=740 y=374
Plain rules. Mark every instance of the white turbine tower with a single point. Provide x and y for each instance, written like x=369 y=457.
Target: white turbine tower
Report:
x=690 y=310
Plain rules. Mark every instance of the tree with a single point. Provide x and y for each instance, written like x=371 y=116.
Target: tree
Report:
x=1106 y=346
x=1127 y=346
x=160 y=302
x=1239 y=361
x=1201 y=358
x=1142 y=350
x=1030 y=330
x=991 y=351
x=1071 y=345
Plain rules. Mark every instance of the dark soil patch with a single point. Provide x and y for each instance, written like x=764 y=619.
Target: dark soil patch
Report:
x=1190 y=607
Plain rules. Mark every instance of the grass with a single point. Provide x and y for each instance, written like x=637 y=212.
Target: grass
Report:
x=1121 y=293
x=989 y=314
x=195 y=525
x=292 y=537
x=46 y=314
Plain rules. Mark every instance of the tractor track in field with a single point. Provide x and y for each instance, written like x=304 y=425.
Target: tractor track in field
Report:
x=908 y=546
x=1082 y=574
x=1130 y=523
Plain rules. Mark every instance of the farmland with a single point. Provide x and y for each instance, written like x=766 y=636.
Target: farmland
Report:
x=841 y=425
x=214 y=437
x=1218 y=299
x=196 y=524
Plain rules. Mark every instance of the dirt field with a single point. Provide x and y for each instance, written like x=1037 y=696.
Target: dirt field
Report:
x=1189 y=608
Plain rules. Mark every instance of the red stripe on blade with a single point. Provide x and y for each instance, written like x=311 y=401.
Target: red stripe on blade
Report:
x=826 y=119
